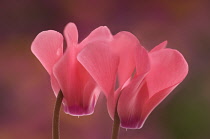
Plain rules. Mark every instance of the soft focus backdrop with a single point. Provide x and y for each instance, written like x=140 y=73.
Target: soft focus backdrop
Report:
x=26 y=97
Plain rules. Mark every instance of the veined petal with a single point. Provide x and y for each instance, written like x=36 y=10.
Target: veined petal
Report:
x=125 y=45
x=101 y=63
x=160 y=46
x=71 y=34
x=153 y=89
x=48 y=48
x=78 y=87
x=127 y=97
x=131 y=103
x=101 y=33
x=142 y=61
x=112 y=101
x=153 y=102
x=168 y=68
x=114 y=97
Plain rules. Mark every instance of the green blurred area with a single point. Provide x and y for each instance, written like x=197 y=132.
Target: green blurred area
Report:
x=187 y=116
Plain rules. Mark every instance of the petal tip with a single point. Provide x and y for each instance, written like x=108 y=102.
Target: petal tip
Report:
x=160 y=46
x=71 y=33
x=42 y=36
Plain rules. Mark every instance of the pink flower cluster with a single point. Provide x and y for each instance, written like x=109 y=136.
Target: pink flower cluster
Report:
x=133 y=79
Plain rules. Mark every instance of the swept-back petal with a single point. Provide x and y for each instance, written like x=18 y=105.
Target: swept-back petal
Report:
x=168 y=68
x=158 y=83
x=160 y=46
x=101 y=63
x=153 y=102
x=78 y=87
x=48 y=48
x=71 y=34
x=142 y=61
x=101 y=33
x=127 y=97
x=112 y=102
x=125 y=45
x=131 y=103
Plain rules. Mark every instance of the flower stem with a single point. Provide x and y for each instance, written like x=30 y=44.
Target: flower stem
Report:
x=56 y=115
x=116 y=125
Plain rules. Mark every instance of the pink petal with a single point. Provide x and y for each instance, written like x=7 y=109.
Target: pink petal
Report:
x=71 y=34
x=101 y=63
x=131 y=103
x=78 y=87
x=48 y=48
x=113 y=98
x=158 y=83
x=99 y=34
x=153 y=102
x=112 y=101
x=142 y=61
x=160 y=46
x=125 y=45
x=126 y=96
x=168 y=68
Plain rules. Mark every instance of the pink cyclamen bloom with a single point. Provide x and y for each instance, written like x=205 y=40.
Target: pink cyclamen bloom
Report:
x=143 y=79
x=79 y=89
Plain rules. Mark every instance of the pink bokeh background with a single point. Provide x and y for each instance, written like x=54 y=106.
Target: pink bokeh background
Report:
x=26 y=97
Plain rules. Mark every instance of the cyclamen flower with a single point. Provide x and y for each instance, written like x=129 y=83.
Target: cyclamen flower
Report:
x=143 y=79
x=78 y=87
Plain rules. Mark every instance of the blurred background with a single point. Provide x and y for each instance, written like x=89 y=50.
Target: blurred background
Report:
x=26 y=97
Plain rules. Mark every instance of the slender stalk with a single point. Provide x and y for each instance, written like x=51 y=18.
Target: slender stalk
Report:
x=56 y=115
x=116 y=126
